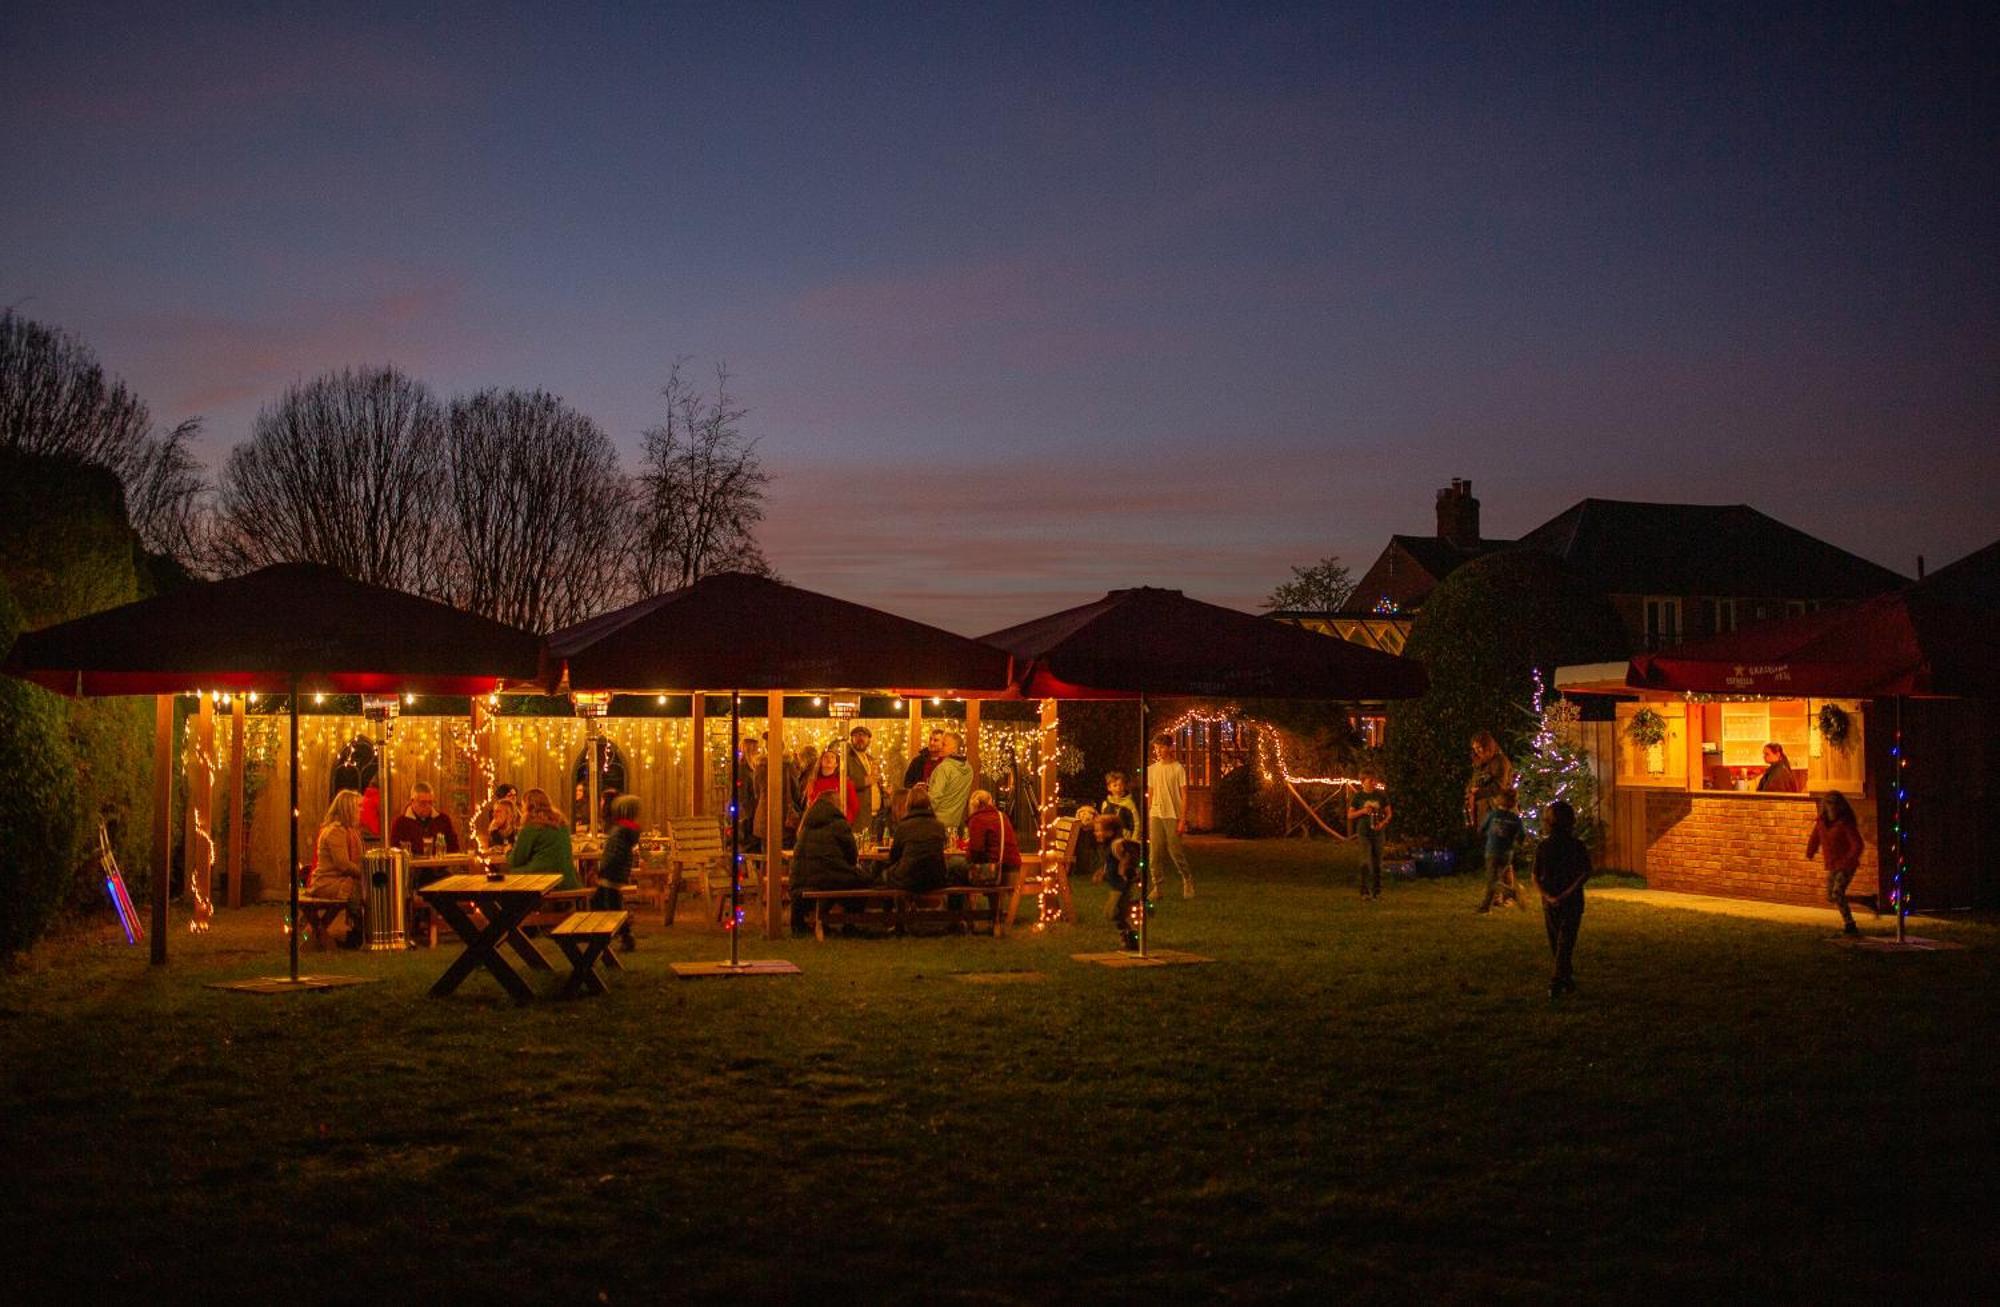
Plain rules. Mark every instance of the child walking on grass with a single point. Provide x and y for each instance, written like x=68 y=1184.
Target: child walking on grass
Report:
x=1562 y=865
x=1367 y=819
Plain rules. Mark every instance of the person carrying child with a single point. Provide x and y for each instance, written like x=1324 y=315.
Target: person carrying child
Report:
x=1562 y=865
x=1368 y=819
x=1502 y=831
x=1119 y=873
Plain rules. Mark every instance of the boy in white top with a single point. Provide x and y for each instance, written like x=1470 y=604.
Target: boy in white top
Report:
x=1166 y=811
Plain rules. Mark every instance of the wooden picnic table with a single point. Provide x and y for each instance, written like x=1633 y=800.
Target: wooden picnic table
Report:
x=486 y=912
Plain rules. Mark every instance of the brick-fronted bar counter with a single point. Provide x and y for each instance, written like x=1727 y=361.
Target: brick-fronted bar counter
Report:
x=1745 y=846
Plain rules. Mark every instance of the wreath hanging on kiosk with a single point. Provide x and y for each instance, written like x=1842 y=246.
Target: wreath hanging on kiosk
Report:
x=1835 y=726
x=1647 y=728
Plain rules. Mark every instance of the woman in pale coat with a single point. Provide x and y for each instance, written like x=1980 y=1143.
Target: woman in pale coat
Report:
x=336 y=872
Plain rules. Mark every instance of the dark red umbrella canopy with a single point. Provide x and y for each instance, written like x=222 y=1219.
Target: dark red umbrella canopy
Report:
x=262 y=630
x=734 y=631
x=1913 y=642
x=1160 y=642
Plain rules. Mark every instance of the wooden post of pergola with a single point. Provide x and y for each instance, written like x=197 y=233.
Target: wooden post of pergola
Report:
x=163 y=820
x=774 y=810
x=1049 y=773
x=697 y=754
x=916 y=725
x=239 y=819
x=972 y=738
x=477 y=792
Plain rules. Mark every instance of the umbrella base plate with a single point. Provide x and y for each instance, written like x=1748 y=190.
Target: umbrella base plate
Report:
x=1890 y=944
x=725 y=970
x=1159 y=957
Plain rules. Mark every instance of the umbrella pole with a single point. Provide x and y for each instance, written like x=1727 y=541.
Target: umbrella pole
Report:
x=1145 y=833
x=293 y=873
x=736 y=828
x=1901 y=835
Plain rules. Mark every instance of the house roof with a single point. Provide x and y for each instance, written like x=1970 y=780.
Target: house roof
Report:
x=1625 y=547
x=1434 y=558
x=1973 y=579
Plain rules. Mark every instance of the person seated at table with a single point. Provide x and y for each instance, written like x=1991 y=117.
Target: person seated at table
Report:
x=990 y=843
x=543 y=846
x=826 y=856
x=916 y=854
x=504 y=827
x=336 y=870
x=421 y=823
x=1777 y=777
x=950 y=784
x=826 y=779
x=614 y=871
x=482 y=821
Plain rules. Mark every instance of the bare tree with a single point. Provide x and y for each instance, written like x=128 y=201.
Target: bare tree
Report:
x=538 y=516
x=700 y=490
x=348 y=470
x=56 y=399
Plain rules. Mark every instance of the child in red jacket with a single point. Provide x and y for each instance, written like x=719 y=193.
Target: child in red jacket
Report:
x=1836 y=837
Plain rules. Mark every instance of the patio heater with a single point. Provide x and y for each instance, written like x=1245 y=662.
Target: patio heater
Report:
x=592 y=706
x=386 y=869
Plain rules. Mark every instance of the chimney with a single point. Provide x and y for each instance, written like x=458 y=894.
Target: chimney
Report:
x=1458 y=514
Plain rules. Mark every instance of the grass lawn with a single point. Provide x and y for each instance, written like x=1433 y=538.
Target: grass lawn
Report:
x=1369 y=1101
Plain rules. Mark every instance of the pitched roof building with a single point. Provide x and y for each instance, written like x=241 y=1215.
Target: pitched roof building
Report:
x=1672 y=571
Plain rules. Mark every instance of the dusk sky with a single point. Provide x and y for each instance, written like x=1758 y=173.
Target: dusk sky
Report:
x=1028 y=303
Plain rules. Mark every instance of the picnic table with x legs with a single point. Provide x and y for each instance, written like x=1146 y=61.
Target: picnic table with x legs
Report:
x=487 y=913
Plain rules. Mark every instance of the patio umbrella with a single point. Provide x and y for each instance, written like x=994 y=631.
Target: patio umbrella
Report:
x=1932 y=639
x=1143 y=642
x=1917 y=641
x=748 y=632
x=282 y=629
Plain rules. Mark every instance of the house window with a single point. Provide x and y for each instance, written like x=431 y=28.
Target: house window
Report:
x=1796 y=607
x=1663 y=622
x=1721 y=616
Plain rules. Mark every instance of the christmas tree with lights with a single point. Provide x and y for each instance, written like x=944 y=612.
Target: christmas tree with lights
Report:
x=1556 y=767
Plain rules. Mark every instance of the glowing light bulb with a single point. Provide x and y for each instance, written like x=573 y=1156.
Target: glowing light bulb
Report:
x=817 y=701
x=409 y=699
x=899 y=705
x=319 y=698
x=662 y=701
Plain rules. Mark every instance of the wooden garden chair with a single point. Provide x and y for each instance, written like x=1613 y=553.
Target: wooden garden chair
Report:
x=699 y=856
x=1052 y=876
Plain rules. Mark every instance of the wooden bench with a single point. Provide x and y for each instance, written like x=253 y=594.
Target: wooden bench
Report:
x=558 y=906
x=887 y=907
x=317 y=915
x=585 y=939
x=979 y=905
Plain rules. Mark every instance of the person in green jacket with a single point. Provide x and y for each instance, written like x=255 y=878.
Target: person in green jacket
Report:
x=543 y=844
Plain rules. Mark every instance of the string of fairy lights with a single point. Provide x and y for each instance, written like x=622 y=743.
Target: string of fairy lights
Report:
x=494 y=745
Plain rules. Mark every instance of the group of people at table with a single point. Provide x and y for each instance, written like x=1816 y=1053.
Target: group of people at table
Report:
x=518 y=830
